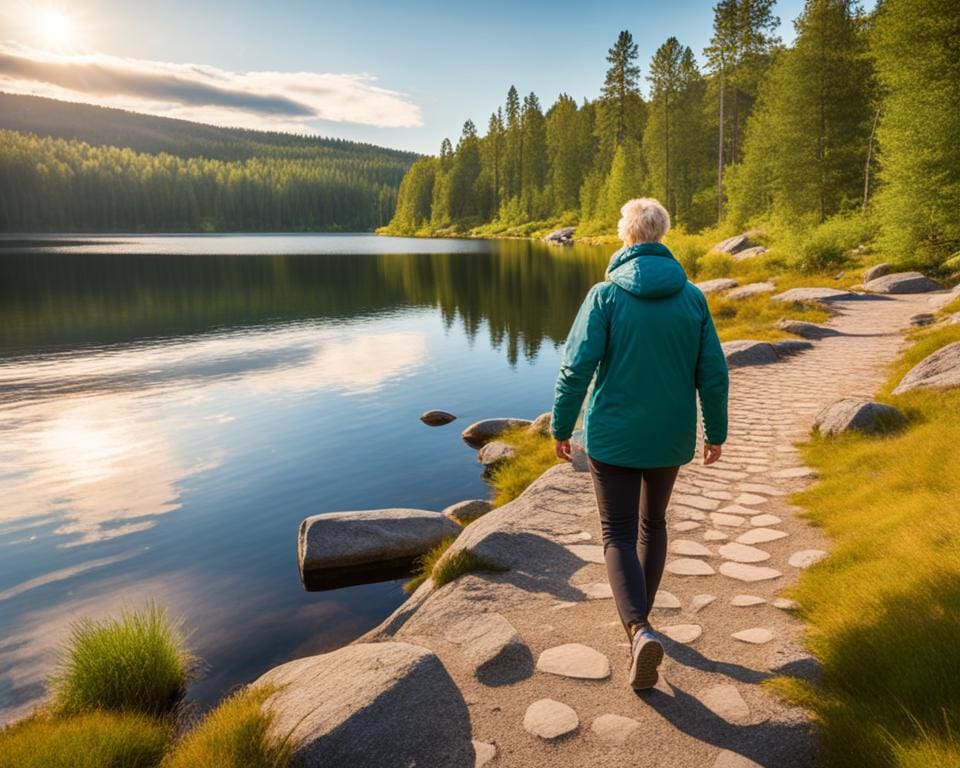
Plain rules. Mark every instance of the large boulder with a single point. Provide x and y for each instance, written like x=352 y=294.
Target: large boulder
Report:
x=737 y=243
x=902 y=282
x=814 y=294
x=859 y=415
x=717 y=285
x=878 y=270
x=806 y=330
x=562 y=236
x=750 y=290
x=338 y=540
x=941 y=370
x=749 y=253
x=385 y=704
x=481 y=432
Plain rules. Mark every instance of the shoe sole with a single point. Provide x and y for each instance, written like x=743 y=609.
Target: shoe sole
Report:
x=646 y=659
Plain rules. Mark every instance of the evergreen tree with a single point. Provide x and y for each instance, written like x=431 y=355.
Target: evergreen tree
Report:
x=809 y=140
x=492 y=158
x=533 y=173
x=665 y=84
x=415 y=197
x=440 y=216
x=919 y=131
x=620 y=107
x=464 y=202
x=513 y=145
x=565 y=157
x=625 y=181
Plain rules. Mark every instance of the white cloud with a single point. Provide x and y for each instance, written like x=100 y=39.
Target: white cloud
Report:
x=290 y=101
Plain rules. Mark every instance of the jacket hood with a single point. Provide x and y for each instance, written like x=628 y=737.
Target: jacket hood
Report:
x=647 y=270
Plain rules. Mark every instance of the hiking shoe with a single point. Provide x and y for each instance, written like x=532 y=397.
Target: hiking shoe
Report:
x=646 y=653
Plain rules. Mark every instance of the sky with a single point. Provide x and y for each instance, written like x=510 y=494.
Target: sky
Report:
x=400 y=74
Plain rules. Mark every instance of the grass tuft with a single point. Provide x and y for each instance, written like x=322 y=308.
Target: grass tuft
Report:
x=137 y=663
x=443 y=567
x=534 y=456
x=884 y=608
x=90 y=740
x=234 y=735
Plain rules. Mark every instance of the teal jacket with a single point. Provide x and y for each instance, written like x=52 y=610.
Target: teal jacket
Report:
x=648 y=334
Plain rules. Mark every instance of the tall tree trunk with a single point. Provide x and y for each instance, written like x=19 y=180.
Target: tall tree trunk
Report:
x=720 y=156
x=866 y=168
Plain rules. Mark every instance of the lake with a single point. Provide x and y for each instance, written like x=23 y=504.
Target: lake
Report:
x=171 y=407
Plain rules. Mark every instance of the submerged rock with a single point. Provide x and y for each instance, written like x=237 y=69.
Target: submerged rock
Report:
x=902 y=282
x=338 y=540
x=384 y=704
x=481 y=432
x=941 y=370
x=437 y=418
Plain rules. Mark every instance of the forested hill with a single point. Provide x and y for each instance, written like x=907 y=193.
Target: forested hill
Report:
x=836 y=141
x=76 y=167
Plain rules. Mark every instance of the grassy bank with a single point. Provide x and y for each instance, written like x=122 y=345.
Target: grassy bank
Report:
x=884 y=609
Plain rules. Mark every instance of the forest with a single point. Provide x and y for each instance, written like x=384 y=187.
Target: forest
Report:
x=838 y=140
x=79 y=168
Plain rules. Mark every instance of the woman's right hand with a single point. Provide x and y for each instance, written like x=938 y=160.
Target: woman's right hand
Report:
x=711 y=452
x=562 y=449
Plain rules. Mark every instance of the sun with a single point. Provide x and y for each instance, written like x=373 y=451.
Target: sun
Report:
x=55 y=28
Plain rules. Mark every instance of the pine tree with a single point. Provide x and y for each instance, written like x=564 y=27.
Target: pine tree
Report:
x=464 y=203
x=513 y=145
x=564 y=154
x=533 y=173
x=620 y=107
x=919 y=131
x=665 y=84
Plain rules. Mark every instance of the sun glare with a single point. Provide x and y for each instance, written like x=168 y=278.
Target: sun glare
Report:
x=55 y=28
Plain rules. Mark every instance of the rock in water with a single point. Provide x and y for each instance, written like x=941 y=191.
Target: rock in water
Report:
x=715 y=286
x=941 y=370
x=341 y=708
x=345 y=539
x=494 y=453
x=858 y=414
x=482 y=432
x=876 y=271
x=437 y=418
x=562 y=236
x=902 y=282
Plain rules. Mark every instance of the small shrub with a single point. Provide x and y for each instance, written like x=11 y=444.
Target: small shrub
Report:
x=687 y=249
x=137 y=663
x=444 y=567
x=91 y=740
x=829 y=245
x=714 y=264
x=234 y=735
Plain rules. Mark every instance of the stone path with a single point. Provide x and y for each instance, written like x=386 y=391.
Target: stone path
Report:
x=736 y=545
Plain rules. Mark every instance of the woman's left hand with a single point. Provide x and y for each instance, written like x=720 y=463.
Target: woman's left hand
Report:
x=562 y=449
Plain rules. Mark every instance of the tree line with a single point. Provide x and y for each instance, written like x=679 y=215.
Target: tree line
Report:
x=842 y=130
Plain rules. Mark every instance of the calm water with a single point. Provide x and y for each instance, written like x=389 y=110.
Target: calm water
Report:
x=172 y=407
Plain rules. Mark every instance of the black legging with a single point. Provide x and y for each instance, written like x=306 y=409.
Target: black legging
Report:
x=628 y=499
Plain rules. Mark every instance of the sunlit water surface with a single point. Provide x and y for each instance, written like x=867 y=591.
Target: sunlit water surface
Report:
x=171 y=408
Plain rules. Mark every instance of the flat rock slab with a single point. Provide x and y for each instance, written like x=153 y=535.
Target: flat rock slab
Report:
x=340 y=708
x=592 y=553
x=750 y=499
x=813 y=294
x=598 y=590
x=614 y=729
x=689 y=567
x=940 y=370
x=686 y=525
x=464 y=512
x=857 y=414
x=761 y=521
x=699 y=602
x=742 y=553
x=794 y=472
x=689 y=548
x=725 y=701
x=806 y=557
x=751 y=289
x=746 y=601
x=712 y=535
x=724 y=520
x=482 y=432
x=491 y=644
x=760 y=536
x=902 y=282
x=343 y=539
x=754 y=635
x=550 y=719
x=728 y=759
x=737 y=509
x=682 y=633
x=768 y=490
x=666 y=599
x=743 y=572
x=574 y=660
x=697 y=502
x=715 y=286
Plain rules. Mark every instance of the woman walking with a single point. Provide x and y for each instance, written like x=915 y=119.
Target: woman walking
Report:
x=648 y=334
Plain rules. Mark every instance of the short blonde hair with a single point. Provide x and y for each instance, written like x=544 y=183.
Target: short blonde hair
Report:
x=643 y=220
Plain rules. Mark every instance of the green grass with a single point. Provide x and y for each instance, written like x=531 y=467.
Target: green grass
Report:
x=90 y=740
x=443 y=567
x=234 y=735
x=534 y=456
x=884 y=608
x=756 y=317
x=137 y=663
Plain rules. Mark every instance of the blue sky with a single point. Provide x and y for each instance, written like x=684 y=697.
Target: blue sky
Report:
x=401 y=74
